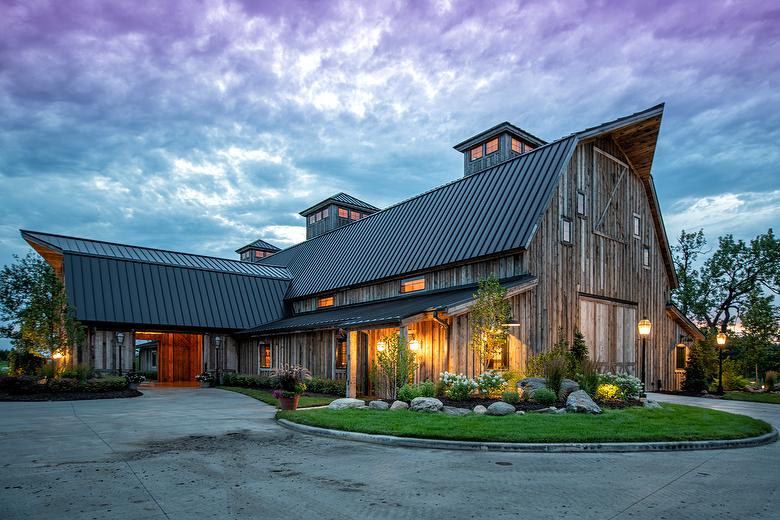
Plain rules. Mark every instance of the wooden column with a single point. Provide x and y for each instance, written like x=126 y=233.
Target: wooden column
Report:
x=352 y=364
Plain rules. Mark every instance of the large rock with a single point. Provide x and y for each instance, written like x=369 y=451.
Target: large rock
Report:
x=579 y=401
x=500 y=408
x=426 y=404
x=527 y=386
x=451 y=410
x=549 y=409
x=378 y=405
x=649 y=403
x=346 y=402
x=399 y=405
x=480 y=410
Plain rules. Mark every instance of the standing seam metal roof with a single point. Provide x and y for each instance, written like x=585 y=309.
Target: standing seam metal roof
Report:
x=461 y=220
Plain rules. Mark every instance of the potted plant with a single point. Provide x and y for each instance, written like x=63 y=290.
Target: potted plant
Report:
x=290 y=384
x=205 y=379
x=133 y=380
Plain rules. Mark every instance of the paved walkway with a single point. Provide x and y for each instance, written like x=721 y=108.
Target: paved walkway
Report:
x=193 y=453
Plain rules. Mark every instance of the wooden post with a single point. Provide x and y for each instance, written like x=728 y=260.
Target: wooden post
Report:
x=351 y=364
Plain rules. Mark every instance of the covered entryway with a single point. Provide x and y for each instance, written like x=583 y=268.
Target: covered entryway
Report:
x=179 y=356
x=610 y=331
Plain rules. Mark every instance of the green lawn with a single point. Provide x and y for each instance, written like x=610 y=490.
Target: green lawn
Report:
x=266 y=396
x=670 y=423
x=763 y=397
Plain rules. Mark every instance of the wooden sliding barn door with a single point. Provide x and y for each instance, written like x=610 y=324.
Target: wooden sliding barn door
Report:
x=610 y=332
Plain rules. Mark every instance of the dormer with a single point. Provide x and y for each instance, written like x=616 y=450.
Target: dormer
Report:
x=332 y=213
x=494 y=146
x=256 y=251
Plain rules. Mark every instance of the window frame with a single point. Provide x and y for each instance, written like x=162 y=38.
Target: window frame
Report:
x=566 y=223
x=326 y=301
x=265 y=350
x=581 y=211
x=512 y=142
x=325 y=212
x=645 y=253
x=487 y=146
x=153 y=360
x=341 y=352
x=410 y=281
x=684 y=347
x=355 y=215
x=343 y=213
x=636 y=225
x=480 y=149
x=312 y=219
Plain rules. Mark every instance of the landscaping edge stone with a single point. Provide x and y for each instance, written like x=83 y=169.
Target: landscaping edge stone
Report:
x=554 y=447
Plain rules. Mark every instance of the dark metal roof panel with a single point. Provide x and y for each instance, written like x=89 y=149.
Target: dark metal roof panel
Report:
x=258 y=244
x=117 y=291
x=487 y=213
x=65 y=244
x=377 y=313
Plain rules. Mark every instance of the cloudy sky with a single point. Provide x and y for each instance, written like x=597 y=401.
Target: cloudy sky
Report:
x=200 y=126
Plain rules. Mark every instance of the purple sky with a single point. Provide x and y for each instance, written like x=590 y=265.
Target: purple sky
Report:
x=200 y=126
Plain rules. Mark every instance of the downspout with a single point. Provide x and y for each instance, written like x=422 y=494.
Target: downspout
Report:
x=446 y=327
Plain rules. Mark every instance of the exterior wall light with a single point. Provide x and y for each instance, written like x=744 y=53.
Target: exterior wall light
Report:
x=644 y=327
x=414 y=345
x=380 y=346
x=57 y=355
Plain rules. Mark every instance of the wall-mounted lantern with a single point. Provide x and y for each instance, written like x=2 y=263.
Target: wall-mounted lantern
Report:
x=381 y=346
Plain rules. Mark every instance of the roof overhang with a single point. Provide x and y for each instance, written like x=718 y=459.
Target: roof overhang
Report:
x=687 y=325
x=50 y=253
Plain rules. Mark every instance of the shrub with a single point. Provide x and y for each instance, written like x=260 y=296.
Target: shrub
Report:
x=510 y=397
x=248 y=380
x=608 y=392
x=491 y=382
x=20 y=385
x=79 y=372
x=319 y=385
x=770 y=380
x=554 y=369
x=62 y=385
x=104 y=384
x=459 y=387
x=440 y=389
x=588 y=377
x=578 y=353
x=630 y=387
x=695 y=379
x=732 y=376
x=291 y=379
x=409 y=392
x=545 y=396
x=393 y=367
x=22 y=362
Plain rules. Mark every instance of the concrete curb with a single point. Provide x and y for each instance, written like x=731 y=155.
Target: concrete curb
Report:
x=576 y=447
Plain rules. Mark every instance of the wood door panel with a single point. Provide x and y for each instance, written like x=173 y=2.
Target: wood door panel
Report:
x=179 y=356
x=610 y=332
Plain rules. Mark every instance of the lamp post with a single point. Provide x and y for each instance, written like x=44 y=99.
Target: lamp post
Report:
x=120 y=340
x=721 y=341
x=217 y=343
x=644 y=327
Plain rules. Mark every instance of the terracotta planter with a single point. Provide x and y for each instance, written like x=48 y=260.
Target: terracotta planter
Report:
x=289 y=403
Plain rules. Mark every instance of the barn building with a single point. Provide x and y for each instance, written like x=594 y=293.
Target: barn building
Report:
x=572 y=228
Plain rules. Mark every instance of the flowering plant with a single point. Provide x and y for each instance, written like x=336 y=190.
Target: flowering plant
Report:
x=630 y=387
x=491 y=382
x=290 y=380
x=204 y=377
x=299 y=389
x=458 y=386
x=135 y=378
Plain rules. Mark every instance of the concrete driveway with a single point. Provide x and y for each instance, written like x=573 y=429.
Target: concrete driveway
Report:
x=192 y=453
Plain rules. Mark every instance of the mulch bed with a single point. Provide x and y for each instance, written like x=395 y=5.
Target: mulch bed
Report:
x=70 y=396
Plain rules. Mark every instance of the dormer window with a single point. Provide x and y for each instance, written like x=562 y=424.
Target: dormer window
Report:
x=324 y=213
x=355 y=215
x=517 y=145
x=325 y=301
x=413 y=284
x=343 y=213
x=491 y=146
x=476 y=153
x=312 y=219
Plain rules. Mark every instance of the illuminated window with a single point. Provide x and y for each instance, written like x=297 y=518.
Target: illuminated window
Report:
x=680 y=352
x=517 y=145
x=413 y=284
x=355 y=215
x=154 y=358
x=646 y=257
x=637 y=226
x=265 y=356
x=527 y=147
x=476 y=153
x=580 y=203
x=343 y=213
x=324 y=213
x=312 y=219
x=325 y=301
x=259 y=254
x=566 y=230
x=341 y=355
x=491 y=146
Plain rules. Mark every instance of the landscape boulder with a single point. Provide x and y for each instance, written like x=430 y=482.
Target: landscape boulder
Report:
x=649 y=403
x=346 y=402
x=500 y=408
x=480 y=410
x=580 y=402
x=399 y=405
x=378 y=405
x=528 y=385
x=426 y=404
x=451 y=410
x=549 y=409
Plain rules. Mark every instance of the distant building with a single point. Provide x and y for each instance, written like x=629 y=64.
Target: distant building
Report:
x=572 y=229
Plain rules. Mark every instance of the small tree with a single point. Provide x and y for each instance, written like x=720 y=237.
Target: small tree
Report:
x=695 y=370
x=488 y=320
x=394 y=366
x=578 y=352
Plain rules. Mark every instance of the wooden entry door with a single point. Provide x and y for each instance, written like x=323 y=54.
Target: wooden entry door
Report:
x=180 y=356
x=610 y=332
x=362 y=364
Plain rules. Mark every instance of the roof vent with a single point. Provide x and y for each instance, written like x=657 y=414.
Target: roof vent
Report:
x=494 y=146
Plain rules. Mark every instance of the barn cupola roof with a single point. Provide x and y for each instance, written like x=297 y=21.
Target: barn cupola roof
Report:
x=335 y=211
x=495 y=145
x=256 y=251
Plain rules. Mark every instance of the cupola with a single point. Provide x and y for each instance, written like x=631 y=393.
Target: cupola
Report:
x=495 y=145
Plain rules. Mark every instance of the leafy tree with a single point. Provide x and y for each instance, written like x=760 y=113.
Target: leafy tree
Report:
x=761 y=324
x=687 y=251
x=695 y=379
x=394 y=367
x=34 y=308
x=488 y=318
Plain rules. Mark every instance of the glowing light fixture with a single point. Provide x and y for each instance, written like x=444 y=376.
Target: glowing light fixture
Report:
x=721 y=339
x=644 y=327
x=380 y=346
x=414 y=345
x=57 y=355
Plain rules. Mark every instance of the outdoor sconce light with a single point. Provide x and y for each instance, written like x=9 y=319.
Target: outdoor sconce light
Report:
x=217 y=341
x=644 y=327
x=721 y=339
x=414 y=345
x=380 y=346
x=120 y=338
x=57 y=355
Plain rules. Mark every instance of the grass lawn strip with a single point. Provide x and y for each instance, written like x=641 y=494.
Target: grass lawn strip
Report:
x=763 y=397
x=670 y=423
x=266 y=396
